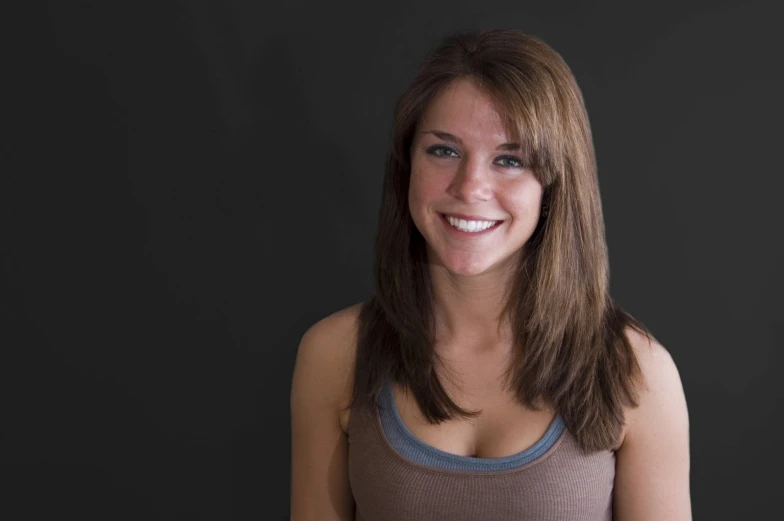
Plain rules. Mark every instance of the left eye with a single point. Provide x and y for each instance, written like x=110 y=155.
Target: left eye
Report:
x=510 y=161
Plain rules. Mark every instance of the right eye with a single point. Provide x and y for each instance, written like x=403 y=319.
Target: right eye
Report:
x=442 y=151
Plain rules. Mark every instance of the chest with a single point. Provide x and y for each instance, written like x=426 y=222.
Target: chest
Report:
x=561 y=483
x=504 y=427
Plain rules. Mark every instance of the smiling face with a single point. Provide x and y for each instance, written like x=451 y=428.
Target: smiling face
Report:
x=466 y=171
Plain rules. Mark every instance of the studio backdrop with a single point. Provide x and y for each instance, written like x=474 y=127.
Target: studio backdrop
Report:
x=186 y=187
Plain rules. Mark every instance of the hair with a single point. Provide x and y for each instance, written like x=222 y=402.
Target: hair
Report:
x=571 y=344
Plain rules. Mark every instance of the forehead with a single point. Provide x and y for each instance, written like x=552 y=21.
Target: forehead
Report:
x=464 y=109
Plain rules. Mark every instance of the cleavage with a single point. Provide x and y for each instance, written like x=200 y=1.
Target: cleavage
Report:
x=503 y=428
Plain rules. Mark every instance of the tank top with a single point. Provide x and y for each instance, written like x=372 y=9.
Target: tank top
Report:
x=394 y=476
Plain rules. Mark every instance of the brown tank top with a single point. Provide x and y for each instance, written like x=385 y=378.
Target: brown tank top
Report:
x=558 y=483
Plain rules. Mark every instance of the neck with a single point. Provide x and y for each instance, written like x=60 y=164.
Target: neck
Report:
x=468 y=309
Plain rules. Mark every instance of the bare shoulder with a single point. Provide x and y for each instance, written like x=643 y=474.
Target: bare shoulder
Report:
x=660 y=374
x=333 y=330
x=653 y=459
x=660 y=377
x=326 y=354
x=320 y=485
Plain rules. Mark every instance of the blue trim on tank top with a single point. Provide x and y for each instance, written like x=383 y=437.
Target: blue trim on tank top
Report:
x=409 y=446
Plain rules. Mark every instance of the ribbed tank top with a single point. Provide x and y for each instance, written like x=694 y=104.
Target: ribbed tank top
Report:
x=397 y=477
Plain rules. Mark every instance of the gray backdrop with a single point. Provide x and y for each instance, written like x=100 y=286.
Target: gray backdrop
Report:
x=187 y=186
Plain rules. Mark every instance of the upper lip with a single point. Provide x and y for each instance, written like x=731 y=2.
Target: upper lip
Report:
x=470 y=217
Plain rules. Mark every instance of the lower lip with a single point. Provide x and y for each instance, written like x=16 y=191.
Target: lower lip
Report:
x=460 y=233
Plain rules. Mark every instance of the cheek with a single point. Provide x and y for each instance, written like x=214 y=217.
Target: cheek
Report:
x=527 y=201
x=423 y=190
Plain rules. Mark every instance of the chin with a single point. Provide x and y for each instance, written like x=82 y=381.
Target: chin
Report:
x=466 y=269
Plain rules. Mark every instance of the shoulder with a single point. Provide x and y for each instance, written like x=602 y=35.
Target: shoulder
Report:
x=660 y=381
x=653 y=459
x=325 y=357
x=333 y=330
x=320 y=485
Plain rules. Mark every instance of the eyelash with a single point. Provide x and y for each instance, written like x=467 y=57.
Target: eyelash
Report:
x=436 y=149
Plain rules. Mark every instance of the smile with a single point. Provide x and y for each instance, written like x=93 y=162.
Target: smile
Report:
x=472 y=227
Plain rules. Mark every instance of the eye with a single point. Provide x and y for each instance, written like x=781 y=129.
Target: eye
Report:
x=442 y=151
x=510 y=162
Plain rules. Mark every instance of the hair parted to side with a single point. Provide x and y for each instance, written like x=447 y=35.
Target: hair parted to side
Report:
x=572 y=348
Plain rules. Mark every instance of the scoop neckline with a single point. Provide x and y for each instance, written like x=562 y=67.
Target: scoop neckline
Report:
x=550 y=440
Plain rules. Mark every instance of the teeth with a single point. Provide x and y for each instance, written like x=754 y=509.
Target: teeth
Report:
x=469 y=226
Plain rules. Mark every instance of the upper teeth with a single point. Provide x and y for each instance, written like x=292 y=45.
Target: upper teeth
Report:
x=469 y=226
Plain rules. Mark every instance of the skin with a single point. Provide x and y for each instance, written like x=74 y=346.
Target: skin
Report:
x=469 y=174
x=474 y=177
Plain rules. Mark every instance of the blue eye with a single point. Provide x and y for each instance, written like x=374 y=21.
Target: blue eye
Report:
x=510 y=161
x=442 y=151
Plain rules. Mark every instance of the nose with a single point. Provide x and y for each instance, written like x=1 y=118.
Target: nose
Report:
x=471 y=182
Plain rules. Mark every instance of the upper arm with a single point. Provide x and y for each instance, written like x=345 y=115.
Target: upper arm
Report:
x=319 y=447
x=652 y=464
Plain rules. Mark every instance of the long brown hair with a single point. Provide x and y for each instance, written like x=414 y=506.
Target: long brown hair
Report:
x=572 y=348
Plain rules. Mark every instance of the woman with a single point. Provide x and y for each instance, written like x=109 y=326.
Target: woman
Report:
x=490 y=376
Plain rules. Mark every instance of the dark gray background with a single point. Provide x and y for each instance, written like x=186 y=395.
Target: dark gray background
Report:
x=186 y=187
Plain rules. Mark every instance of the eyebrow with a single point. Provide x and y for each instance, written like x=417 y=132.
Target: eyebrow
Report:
x=446 y=136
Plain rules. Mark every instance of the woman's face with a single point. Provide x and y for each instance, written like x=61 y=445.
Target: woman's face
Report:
x=466 y=170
